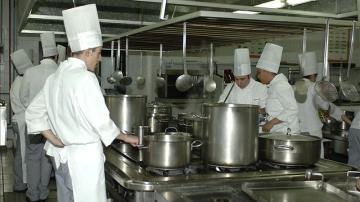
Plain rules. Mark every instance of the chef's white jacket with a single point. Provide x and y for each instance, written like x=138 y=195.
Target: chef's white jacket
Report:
x=72 y=106
x=308 y=111
x=254 y=93
x=34 y=79
x=281 y=104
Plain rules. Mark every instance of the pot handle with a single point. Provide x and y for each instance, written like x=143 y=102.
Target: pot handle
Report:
x=142 y=147
x=196 y=144
x=171 y=128
x=283 y=147
x=200 y=117
x=353 y=174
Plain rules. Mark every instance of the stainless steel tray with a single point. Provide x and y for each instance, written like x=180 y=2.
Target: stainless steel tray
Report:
x=297 y=191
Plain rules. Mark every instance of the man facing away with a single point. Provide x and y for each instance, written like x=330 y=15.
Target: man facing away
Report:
x=21 y=62
x=38 y=164
x=71 y=111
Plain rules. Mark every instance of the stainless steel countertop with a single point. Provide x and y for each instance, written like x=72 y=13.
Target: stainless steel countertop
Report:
x=131 y=176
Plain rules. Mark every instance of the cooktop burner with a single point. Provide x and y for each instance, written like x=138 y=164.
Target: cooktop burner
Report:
x=265 y=165
x=230 y=169
x=194 y=168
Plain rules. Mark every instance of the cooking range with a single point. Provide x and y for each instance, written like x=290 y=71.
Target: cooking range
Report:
x=129 y=178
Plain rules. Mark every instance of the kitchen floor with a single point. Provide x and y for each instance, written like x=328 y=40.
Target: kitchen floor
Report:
x=7 y=180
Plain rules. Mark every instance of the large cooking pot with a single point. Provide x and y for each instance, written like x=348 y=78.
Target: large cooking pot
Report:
x=128 y=112
x=168 y=150
x=194 y=125
x=158 y=122
x=230 y=134
x=297 y=149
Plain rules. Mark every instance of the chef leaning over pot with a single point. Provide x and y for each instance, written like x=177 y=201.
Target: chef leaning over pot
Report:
x=308 y=109
x=246 y=90
x=354 y=142
x=70 y=110
x=281 y=105
x=21 y=62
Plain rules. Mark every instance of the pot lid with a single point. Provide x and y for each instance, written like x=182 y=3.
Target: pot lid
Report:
x=293 y=137
x=169 y=137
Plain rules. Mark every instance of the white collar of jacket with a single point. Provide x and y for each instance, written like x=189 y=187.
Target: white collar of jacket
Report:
x=308 y=82
x=278 y=78
x=77 y=63
x=48 y=61
x=249 y=86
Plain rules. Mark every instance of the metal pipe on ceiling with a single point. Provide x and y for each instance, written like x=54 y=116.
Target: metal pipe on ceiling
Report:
x=244 y=8
x=107 y=21
x=162 y=10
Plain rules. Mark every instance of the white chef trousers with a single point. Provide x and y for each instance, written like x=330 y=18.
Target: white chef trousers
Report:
x=354 y=148
x=63 y=183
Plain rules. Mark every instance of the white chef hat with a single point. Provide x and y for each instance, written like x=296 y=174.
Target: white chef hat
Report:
x=242 y=64
x=270 y=58
x=21 y=60
x=48 y=44
x=82 y=27
x=62 y=53
x=320 y=71
x=308 y=63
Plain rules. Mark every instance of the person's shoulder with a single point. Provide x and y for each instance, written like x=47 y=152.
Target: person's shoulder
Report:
x=259 y=85
x=84 y=76
x=282 y=85
x=31 y=69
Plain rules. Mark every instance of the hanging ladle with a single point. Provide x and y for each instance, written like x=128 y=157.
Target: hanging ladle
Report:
x=160 y=81
x=140 y=80
x=210 y=84
x=300 y=86
x=347 y=88
x=126 y=80
x=324 y=88
x=184 y=82
x=117 y=74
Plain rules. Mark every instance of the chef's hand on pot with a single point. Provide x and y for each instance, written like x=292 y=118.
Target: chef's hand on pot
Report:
x=267 y=127
x=131 y=139
x=358 y=184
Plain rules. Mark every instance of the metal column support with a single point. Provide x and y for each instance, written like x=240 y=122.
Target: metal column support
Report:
x=358 y=9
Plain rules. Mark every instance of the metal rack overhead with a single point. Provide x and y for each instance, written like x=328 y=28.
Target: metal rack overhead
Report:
x=222 y=28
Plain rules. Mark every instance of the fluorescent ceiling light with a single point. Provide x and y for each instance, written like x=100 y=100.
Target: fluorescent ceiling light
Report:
x=246 y=12
x=272 y=4
x=275 y=4
x=297 y=2
x=281 y=3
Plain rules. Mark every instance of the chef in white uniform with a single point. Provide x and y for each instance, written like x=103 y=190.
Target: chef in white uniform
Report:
x=38 y=164
x=21 y=62
x=71 y=110
x=281 y=105
x=309 y=110
x=354 y=142
x=333 y=111
x=246 y=90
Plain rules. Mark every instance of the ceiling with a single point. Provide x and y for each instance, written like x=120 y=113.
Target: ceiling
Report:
x=120 y=16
